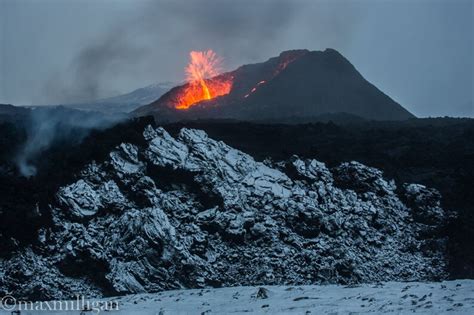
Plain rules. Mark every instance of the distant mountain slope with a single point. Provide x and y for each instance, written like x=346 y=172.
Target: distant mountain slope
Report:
x=297 y=83
x=11 y=113
x=127 y=102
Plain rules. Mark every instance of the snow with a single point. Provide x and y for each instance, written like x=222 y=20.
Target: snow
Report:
x=81 y=199
x=192 y=212
x=447 y=297
x=126 y=102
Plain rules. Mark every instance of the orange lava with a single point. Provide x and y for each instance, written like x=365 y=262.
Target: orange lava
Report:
x=203 y=80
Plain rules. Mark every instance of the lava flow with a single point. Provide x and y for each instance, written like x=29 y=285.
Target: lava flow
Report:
x=203 y=82
x=255 y=88
x=289 y=58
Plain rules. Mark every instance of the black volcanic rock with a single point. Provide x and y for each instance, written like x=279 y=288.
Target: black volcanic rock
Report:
x=297 y=84
x=169 y=212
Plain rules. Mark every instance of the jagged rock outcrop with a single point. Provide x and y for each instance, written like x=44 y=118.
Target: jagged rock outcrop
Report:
x=192 y=212
x=425 y=204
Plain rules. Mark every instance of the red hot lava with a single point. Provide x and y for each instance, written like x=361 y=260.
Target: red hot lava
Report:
x=281 y=66
x=203 y=80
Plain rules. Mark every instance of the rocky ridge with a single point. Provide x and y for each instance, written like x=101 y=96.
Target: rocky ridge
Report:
x=191 y=212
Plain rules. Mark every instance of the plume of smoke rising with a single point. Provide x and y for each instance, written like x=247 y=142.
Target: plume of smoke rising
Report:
x=154 y=44
x=158 y=40
x=95 y=64
x=46 y=126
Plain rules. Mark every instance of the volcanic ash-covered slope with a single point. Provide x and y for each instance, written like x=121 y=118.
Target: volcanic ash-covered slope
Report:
x=296 y=84
x=190 y=212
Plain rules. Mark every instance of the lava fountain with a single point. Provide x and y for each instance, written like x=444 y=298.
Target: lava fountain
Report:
x=203 y=80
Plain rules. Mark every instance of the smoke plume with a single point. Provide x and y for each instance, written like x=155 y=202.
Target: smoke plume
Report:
x=46 y=126
x=152 y=45
x=155 y=44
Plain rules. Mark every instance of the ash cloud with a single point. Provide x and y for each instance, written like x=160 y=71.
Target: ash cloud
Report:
x=155 y=44
x=112 y=55
x=152 y=45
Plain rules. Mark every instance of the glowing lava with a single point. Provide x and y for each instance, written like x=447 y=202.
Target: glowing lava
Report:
x=203 y=80
x=289 y=58
x=255 y=88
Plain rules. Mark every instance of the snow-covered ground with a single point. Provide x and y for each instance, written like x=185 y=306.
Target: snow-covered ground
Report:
x=453 y=297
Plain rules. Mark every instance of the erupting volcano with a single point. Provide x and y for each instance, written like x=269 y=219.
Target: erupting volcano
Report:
x=297 y=84
x=201 y=84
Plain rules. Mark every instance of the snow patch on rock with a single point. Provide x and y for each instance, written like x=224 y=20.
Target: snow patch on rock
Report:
x=192 y=212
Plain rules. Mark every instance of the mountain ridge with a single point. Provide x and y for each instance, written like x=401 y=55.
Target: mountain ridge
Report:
x=296 y=83
x=120 y=104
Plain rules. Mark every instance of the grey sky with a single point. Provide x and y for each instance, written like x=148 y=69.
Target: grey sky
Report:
x=420 y=52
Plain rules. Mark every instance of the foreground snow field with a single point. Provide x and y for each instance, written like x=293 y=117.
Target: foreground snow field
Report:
x=453 y=297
